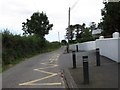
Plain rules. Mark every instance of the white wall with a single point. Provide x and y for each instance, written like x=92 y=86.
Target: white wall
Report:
x=73 y=47
x=87 y=46
x=119 y=50
x=84 y=46
x=109 y=47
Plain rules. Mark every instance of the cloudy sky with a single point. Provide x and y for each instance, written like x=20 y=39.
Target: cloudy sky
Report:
x=14 y=12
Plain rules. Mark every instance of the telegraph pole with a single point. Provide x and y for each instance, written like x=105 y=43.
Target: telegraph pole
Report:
x=69 y=17
x=59 y=37
x=69 y=23
x=68 y=29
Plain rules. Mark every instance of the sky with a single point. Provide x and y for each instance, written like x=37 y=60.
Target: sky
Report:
x=14 y=12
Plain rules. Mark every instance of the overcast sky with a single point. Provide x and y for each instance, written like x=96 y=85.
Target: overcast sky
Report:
x=14 y=12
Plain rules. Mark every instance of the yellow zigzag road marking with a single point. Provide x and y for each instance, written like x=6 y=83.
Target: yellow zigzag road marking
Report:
x=46 y=84
x=31 y=82
x=46 y=72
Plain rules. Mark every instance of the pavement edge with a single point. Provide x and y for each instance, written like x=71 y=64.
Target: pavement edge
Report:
x=69 y=80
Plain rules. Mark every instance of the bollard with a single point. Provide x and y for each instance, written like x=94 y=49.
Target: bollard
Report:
x=67 y=49
x=85 y=70
x=97 y=57
x=74 y=59
x=77 y=48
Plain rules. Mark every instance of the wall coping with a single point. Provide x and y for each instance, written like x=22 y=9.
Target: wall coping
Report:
x=109 y=39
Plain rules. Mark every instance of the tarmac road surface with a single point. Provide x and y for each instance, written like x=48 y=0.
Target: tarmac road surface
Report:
x=41 y=71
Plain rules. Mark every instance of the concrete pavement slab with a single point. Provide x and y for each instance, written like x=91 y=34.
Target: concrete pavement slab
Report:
x=104 y=76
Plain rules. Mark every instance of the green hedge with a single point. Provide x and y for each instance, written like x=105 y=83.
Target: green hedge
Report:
x=15 y=46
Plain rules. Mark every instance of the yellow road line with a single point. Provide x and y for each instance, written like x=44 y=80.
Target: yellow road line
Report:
x=27 y=83
x=46 y=63
x=53 y=65
x=44 y=71
x=45 y=84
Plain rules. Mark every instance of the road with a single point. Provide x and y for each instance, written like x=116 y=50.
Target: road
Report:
x=41 y=71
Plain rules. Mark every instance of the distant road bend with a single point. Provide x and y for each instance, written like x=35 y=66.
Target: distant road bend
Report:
x=41 y=71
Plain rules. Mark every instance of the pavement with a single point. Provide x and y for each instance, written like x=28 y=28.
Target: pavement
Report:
x=101 y=77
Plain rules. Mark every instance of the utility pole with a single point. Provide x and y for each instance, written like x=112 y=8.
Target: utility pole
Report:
x=59 y=37
x=69 y=24
x=69 y=17
x=68 y=29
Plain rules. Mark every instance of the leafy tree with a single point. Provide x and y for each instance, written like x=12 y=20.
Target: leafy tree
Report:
x=70 y=32
x=87 y=35
x=111 y=18
x=75 y=30
x=79 y=30
x=92 y=26
x=64 y=42
x=100 y=25
x=37 y=25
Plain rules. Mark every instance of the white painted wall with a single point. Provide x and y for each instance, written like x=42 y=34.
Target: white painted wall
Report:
x=73 y=46
x=109 y=47
x=84 y=46
x=87 y=46
x=119 y=50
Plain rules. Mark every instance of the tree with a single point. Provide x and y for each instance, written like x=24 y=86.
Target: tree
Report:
x=64 y=42
x=92 y=26
x=111 y=18
x=75 y=30
x=70 y=33
x=78 y=31
x=87 y=35
x=37 y=25
x=100 y=25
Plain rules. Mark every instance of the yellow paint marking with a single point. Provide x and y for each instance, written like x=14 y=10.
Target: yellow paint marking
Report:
x=33 y=82
x=30 y=82
x=52 y=65
x=44 y=71
x=49 y=64
x=45 y=84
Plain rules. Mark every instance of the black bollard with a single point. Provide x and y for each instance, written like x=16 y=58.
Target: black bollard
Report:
x=67 y=47
x=74 y=59
x=97 y=57
x=77 y=48
x=85 y=70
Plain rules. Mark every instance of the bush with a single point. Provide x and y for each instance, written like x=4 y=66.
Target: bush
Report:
x=16 y=46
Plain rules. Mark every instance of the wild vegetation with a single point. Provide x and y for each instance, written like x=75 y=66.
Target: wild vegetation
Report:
x=17 y=47
x=111 y=18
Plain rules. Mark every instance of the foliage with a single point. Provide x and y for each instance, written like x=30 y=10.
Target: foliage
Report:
x=81 y=32
x=111 y=18
x=87 y=35
x=38 y=25
x=70 y=33
x=16 y=47
x=92 y=26
x=64 y=42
